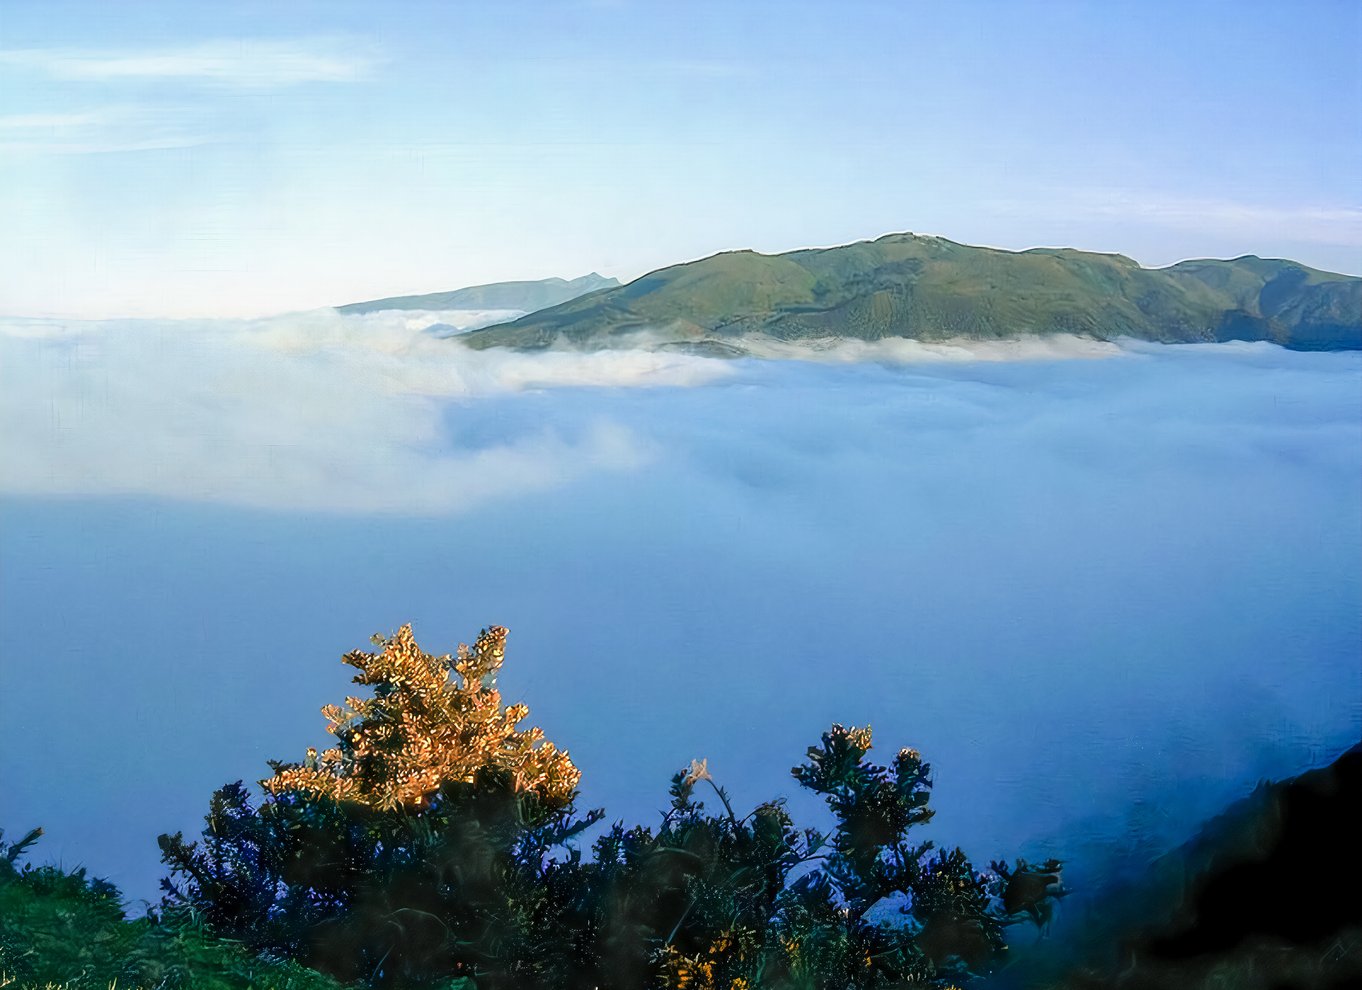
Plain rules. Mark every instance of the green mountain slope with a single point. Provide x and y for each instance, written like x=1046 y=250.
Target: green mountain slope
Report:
x=929 y=288
x=524 y=296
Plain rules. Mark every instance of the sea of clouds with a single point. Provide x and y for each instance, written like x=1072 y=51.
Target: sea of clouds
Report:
x=1103 y=587
x=312 y=411
x=326 y=412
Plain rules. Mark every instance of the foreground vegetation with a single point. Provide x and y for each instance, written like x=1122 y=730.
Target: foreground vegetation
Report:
x=437 y=846
x=66 y=930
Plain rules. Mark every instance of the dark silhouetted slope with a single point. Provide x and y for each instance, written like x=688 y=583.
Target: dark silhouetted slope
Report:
x=1266 y=896
x=1284 y=866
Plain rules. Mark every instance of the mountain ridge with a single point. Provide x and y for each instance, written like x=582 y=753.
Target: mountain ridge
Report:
x=929 y=288
x=525 y=296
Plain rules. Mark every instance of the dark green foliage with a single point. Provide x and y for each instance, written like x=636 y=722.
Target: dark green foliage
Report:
x=1030 y=891
x=390 y=898
x=66 y=930
x=484 y=885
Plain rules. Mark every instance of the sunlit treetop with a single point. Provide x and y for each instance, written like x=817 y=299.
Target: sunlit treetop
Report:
x=424 y=728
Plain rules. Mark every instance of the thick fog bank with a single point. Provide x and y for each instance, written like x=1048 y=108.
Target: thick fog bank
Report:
x=1102 y=596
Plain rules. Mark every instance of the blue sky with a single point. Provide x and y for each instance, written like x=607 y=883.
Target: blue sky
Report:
x=247 y=158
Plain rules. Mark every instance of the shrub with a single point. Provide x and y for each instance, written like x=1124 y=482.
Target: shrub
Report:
x=436 y=846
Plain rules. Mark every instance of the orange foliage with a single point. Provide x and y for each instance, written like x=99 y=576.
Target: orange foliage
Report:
x=700 y=971
x=422 y=730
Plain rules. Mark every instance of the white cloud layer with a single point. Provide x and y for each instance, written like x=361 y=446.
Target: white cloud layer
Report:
x=321 y=411
x=311 y=411
x=895 y=350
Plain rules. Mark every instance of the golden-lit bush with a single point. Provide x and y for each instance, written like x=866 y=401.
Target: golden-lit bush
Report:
x=423 y=729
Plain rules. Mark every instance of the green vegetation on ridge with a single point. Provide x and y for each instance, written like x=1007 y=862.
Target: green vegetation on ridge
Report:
x=929 y=288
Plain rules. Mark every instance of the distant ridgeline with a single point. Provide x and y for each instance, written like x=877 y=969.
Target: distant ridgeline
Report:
x=929 y=288
x=523 y=296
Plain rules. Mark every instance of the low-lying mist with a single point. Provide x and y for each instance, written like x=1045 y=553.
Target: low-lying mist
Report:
x=1103 y=588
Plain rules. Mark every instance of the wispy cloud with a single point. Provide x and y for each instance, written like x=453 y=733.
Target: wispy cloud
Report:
x=1328 y=224
x=1319 y=223
x=28 y=122
x=100 y=130
x=245 y=62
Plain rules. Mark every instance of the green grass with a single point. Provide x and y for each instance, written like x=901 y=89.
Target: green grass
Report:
x=63 y=930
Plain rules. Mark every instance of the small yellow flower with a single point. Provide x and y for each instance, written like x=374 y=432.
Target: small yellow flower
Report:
x=699 y=770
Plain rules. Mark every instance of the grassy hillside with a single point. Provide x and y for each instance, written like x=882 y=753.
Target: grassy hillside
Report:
x=523 y=296
x=64 y=930
x=929 y=288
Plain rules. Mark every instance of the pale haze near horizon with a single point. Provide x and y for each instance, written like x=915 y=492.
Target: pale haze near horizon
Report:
x=240 y=159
